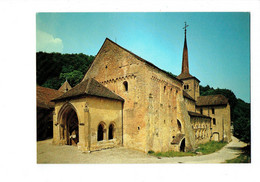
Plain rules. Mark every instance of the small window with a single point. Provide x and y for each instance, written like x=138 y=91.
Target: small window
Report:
x=213 y=111
x=164 y=89
x=125 y=83
x=111 y=132
x=179 y=125
x=214 y=121
x=100 y=132
x=201 y=111
x=186 y=87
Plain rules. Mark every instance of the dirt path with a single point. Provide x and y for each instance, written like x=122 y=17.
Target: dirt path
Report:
x=48 y=153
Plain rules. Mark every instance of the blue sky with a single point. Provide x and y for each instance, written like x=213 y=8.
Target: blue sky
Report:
x=218 y=43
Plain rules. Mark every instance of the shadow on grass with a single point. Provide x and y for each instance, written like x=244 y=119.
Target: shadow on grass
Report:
x=244 y=157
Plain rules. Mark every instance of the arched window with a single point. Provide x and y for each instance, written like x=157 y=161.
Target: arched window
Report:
x=100 y=132
x=111 y=132
x=179 y=125
x=125 y=83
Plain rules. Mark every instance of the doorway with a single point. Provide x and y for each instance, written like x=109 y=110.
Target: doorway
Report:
x=182 y=146
x=69 y=126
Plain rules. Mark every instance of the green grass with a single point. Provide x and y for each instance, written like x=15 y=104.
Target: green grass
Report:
x=210 y=147
x=206 y=148
x=242 y=158
x=171 y=154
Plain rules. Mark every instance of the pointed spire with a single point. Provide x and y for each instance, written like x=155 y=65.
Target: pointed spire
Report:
x=185 y=62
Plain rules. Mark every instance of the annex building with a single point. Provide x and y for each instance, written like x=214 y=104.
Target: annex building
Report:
x=124 y=100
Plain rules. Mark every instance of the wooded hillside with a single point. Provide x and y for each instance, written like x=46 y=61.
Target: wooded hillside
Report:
x=54 y=68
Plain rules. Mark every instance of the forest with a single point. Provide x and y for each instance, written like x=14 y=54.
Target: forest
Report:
x=52 y=69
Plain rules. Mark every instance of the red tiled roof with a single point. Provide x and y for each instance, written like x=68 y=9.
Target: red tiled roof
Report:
x=185 y=76
x=89 y=87
x=211 y=100
x=45 y=95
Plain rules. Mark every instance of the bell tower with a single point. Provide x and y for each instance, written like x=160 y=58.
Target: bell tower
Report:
x=190 y=83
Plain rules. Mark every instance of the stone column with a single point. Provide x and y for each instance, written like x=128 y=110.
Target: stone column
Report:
x=56 y=129
x=83 y=144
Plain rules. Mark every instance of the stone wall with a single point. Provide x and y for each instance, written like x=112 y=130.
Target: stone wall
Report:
x=201 y=129
x=194 y=89
x=114 y=68
x=190 y=105
x=150 y=108
x=161 y=120
x=222 y=121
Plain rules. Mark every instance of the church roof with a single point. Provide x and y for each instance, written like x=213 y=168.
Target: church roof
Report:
x=211 y=100
x=143 y=60
x=89 y=87
x=45 y=95
x=185 y=94
x=194 y=114
x=185 y=76
x=65 y=87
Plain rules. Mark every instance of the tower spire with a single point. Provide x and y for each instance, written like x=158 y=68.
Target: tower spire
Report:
x=185 y=62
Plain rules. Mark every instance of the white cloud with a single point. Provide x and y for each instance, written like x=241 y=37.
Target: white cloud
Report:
x=47 y=43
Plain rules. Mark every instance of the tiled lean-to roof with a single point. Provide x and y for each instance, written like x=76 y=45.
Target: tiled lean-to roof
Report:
x=45 y=95
x=89 y=87
x=212 y=100
x=185 y=94
x=194 y=114
x=177 y=138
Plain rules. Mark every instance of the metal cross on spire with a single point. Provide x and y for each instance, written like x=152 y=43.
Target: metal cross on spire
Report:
x=185 y=26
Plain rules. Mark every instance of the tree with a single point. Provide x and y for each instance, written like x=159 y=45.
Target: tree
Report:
x=73 y=77
x=53 y=68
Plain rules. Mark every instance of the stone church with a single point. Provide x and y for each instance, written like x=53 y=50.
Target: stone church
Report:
x=124 y=100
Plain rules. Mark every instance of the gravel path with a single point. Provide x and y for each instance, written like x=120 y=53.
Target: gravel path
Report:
x=48 y=153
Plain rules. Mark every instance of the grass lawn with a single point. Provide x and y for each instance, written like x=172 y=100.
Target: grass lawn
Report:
x=171 y=154
x=206 y=148
x=210 y=147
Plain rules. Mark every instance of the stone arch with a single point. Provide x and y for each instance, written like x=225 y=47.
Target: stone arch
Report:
x=101 y=131
x=111 y=131
x=215 y=136
x=68 y=124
